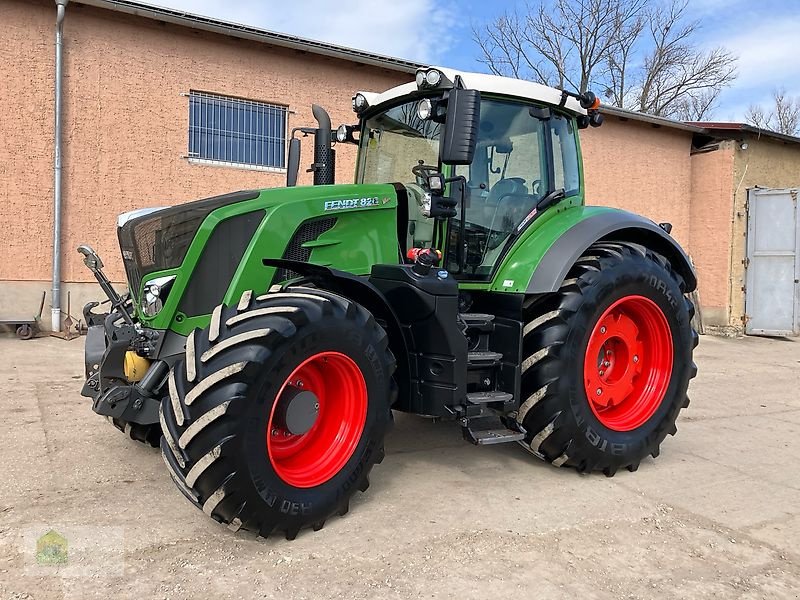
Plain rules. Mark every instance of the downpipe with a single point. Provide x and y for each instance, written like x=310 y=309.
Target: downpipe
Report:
x=59 y=81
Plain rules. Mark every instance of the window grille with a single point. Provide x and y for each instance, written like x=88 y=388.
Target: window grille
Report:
x=233 y=131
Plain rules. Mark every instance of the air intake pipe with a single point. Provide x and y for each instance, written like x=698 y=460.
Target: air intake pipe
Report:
x=324 y=166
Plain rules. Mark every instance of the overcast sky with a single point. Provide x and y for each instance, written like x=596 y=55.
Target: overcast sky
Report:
x=763 y=34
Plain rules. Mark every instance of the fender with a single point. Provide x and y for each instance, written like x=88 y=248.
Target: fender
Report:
x=616 y=225
x=358 y=289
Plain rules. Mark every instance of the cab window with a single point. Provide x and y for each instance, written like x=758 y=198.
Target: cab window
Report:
x=505 y=181
x=565 y=155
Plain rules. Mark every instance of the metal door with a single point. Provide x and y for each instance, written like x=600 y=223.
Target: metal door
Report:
x=772 y=298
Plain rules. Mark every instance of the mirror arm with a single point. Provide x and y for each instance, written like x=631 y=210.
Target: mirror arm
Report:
x=462 y=254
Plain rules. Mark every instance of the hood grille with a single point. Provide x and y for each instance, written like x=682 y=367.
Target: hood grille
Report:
x=307 y=232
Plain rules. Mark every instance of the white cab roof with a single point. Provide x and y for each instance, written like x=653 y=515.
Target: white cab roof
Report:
x=489 y=84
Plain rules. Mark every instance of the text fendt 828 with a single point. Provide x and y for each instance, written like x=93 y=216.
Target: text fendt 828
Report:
x=267 y=335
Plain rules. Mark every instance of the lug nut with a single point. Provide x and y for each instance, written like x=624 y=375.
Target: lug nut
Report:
x=602 y=329
x=635 y=359
x=602 y=373
x=316 y=405
x=274 y=432
x=606 y=364
x=599 y=392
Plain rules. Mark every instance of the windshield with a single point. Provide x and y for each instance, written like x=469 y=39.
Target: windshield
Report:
x=394 y=142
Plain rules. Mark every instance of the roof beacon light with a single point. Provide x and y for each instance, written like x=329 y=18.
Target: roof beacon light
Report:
x=589 y=101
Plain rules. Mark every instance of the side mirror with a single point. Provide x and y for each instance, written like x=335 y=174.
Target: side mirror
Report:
x=460 y=127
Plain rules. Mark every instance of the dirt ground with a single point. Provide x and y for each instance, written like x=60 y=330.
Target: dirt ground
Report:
x=717 y=515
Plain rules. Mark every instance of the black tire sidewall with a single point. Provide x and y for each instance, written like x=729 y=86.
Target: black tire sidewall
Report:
x=268 y=489
x=640 y=277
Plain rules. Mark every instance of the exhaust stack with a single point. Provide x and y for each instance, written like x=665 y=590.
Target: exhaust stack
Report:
x=324 y=166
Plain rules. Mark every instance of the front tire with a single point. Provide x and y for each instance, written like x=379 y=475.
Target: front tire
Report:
x=279 y=411
x=608 y=361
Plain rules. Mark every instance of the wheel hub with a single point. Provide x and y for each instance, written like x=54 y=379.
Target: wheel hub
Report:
x=317 y=419
x=618 y=341
x=297 y=409
x=628 y=363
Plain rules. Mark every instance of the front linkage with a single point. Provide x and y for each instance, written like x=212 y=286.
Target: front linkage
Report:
x=122 y=383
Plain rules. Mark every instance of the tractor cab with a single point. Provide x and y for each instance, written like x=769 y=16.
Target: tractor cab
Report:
x=521 y=156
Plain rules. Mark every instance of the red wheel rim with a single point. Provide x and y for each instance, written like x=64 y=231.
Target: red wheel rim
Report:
x=314 y=457
x=628 y=363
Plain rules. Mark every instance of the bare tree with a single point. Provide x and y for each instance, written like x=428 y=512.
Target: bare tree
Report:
x=757 y=116
x=639 y=54
x=782 y=117
x=676 y=71
x=558 y=42
x=618 y=61
x=697 y=107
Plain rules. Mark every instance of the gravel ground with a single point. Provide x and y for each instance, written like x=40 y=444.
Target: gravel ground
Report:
x=716 y=515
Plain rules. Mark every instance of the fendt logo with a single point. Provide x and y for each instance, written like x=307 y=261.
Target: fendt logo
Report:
x=351 y=203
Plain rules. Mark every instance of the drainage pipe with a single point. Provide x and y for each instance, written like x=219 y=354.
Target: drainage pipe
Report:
x=56 y=293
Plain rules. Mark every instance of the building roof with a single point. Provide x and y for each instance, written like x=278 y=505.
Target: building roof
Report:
x=625 y=114
x=711 y=129
x=717 y=126
x=187 y=19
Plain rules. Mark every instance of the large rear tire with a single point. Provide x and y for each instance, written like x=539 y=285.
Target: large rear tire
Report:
x=608 y=361
x=279 y=411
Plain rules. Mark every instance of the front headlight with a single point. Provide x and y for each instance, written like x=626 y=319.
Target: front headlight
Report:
x=155 y=293
x=425 y=109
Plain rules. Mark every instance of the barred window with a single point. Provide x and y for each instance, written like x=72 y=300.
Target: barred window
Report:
x=233 y=131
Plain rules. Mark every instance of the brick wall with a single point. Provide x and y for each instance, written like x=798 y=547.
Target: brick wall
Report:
x=640 y=168
x=126 y=123
x=711 y=213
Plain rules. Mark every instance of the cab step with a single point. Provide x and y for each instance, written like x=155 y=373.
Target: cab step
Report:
x=478 y=321
x=486 y=431
x=483 y=359
x=487 y=397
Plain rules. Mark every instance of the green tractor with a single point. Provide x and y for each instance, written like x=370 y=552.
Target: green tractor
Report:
x=267 y=335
